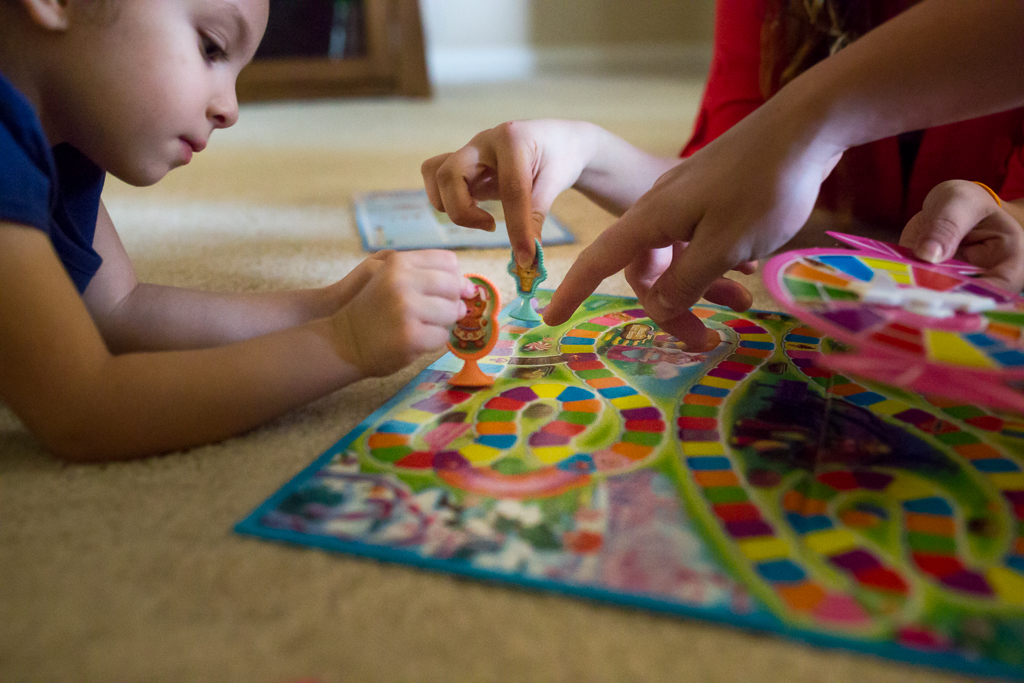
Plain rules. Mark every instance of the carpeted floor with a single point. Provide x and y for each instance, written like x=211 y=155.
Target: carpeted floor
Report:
x=130 y=572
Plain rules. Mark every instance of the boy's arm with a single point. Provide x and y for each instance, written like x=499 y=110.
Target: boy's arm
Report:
x=86 y=404
x=134 y=316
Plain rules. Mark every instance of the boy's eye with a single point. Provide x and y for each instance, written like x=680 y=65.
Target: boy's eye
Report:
x=211 y=49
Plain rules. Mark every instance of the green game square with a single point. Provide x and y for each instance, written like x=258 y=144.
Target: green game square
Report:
x=930 y=543
x=957 y=438
x=1005 y=317
x=391 y=453
x=802 y=290
x=698 y=411
x=642 y=438
x=964 y=412
x=725 y=494
x=595 y=374
x=577 y=418
x=840 y=294
x=590 y=327
x=490 y=415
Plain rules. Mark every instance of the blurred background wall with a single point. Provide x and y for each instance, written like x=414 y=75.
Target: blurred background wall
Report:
x=493 y=40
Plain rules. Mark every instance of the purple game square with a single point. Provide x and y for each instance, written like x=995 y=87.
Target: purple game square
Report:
x=434 y=404
x=1014 y=497
x=699 y=435
x=649 y=413
x=748 y=528
x=726 y=374
x=524 y=394
x=968 y=581
x=547 y=439
x=855 y=561
x=872 y=481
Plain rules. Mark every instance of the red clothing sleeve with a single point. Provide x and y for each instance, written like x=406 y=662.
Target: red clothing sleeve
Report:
x=868 y=182
x=733 y=88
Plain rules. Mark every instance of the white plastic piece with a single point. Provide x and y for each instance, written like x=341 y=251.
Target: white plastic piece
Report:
x=883 y=290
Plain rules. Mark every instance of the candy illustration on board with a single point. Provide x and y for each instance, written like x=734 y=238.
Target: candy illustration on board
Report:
x=932 y=328
x=475 y=334
x=528 y=279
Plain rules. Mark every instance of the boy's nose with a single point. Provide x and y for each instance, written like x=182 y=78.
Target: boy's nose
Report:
x=223 y=110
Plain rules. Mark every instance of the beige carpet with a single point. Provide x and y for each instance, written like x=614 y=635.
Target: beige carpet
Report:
x=131 y=572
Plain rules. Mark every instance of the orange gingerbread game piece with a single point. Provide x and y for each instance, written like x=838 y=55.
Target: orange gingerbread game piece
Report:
x=475 y=334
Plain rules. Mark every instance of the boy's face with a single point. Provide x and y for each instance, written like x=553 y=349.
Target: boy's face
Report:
x=139 y=91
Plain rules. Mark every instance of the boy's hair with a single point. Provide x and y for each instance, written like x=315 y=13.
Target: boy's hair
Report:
x=797 y=34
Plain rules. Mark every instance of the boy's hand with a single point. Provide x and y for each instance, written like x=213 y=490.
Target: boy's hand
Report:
x=405 y=309
x=342 y=291
x=960 y=218
x=525 y=164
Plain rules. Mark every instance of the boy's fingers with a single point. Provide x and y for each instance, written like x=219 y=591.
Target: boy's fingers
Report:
x=428 y=169
x=453 y=180
x=429 y=337
x=441 y=284
x=515 y=189
x=436 y=310
x=432 y=259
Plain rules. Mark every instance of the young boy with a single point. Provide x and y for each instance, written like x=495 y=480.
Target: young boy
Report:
x=98 y=365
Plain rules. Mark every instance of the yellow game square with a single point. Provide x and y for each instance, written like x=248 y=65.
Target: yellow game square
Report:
x=702 y=448
x=831 y=541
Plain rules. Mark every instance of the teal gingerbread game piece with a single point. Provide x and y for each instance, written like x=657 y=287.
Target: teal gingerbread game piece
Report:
x=528 y=278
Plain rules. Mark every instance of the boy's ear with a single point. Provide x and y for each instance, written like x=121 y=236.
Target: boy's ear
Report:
x=48 y=14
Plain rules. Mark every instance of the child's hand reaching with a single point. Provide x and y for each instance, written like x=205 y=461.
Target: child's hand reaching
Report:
x=525 y=164
x=960 y=218
x=404 y=309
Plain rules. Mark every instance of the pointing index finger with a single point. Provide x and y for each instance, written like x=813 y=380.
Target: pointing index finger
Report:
x=612 y=251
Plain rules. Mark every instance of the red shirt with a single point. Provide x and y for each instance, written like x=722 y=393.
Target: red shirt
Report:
x=868 y=182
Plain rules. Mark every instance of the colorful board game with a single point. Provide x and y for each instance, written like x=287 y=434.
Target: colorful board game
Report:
x=747 y=484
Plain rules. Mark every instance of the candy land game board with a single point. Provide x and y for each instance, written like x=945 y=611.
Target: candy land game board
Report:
x=749 y=485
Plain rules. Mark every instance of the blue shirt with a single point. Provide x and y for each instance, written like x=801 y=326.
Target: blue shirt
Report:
x=55 y=190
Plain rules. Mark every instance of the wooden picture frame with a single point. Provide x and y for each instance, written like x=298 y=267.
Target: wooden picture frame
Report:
x=393 y=62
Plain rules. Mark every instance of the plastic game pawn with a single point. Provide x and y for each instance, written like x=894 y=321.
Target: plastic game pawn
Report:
x=527 y=278
x=475 y=334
